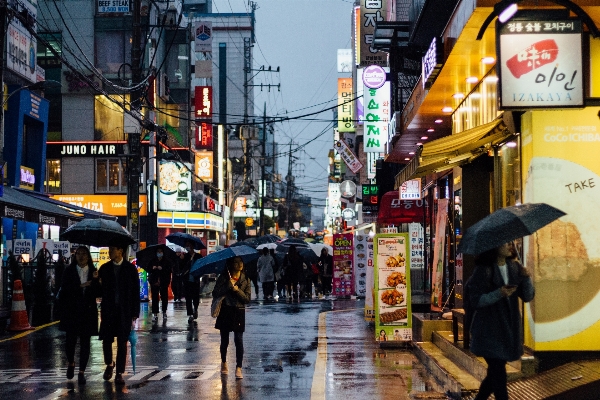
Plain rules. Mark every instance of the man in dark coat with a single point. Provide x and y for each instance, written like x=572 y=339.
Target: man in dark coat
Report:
x=160 y=278
x=120 y=307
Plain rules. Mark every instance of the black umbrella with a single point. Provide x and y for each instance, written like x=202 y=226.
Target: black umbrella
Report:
x=145 y=256
x=507 y=224
x=284 y=245
x=179 y=238
x=308 y=255
x=214 y=263
x=97 y=232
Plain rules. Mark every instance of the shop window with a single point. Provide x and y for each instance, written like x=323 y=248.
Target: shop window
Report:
x=111 y=175
x=109 y=117
x=53 y=176
x=113 y=49
x=511 y=173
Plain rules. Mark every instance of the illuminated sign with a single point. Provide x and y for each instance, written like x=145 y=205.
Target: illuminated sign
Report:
x=203 y=102
x=370 y=199
x=84 y=149
x=204 y=136
x=113 y=6
x=175 y=191
x=345 y=105
x=112 y=204
x=371 y=12
x=374 y=76
x=204 y=166
x=377 y=118
x=432 y=62
x=27 y=180
x=411 y=190
x=541 y=64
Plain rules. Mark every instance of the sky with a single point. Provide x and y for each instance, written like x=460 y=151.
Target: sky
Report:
x=301 y=37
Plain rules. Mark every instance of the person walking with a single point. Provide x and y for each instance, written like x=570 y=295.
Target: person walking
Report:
x=251 y=269
x=191 y=284
x=266 y=274
x=177 y=281
x=235 y=286
x=120 y=307
x=277 y=273
x=78 y=310
x=160 y=279
x=325 y=266
x=493 y=290
x=294 y=272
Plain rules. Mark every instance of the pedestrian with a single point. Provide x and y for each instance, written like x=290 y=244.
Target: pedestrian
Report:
x=325 y=265
x=252 y=271
x=265 y=266
x=78 y=310
x=493 y=292
x=160 y=279
x=177 y=280
x=294 y=272
x=191 y=284
x=277 y=273
x=120 y=307
x=235 y=286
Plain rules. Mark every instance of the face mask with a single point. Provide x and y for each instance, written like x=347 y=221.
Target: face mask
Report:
x=159 y=255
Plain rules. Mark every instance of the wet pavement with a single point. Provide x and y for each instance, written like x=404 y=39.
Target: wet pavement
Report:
x=314 y=349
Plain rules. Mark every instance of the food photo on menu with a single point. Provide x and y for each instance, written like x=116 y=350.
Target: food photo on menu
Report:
x=392 y=289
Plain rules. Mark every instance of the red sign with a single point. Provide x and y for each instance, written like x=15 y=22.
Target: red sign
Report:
x=343 y=260
x=203 y=102
x=394 y=211
x=210 y=204
x=204 y=136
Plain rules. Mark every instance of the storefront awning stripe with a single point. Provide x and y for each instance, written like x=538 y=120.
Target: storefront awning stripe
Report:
x=451 y=151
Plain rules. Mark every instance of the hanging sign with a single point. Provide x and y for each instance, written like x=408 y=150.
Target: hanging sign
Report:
x=348 y=156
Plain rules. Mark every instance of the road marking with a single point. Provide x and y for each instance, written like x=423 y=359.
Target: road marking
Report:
x=141 y=374
x=56 y=394
x=22 y=334
x=160 y=375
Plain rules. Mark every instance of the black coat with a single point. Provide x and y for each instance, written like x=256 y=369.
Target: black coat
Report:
x=186 y=264
x=232 y=317
x=116 y=319
x=163 y=275
x=325 y=260
x=78 y=309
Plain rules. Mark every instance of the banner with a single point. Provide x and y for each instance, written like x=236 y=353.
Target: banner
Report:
x=438 y=255
x=393 y=318
x=348 y=156
x=343 y=260
x=363 y=271
x=345 y=106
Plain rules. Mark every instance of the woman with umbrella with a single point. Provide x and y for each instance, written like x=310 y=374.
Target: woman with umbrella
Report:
x=78 y=311
x=234 y=285
x=191 y=284
x=294 y=272
x=492 y=293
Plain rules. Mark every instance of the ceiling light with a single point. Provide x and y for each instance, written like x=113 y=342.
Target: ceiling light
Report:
x=508 y=13
x=472 y=79
x=424 y=137
x=488 y=60
x=412 y=152
x=447 y=109
x=439 y=121
x=407 y=159
x=419 y=144
x=458 y=95
x=430 y=130
x=511 y=144
x=490 y=79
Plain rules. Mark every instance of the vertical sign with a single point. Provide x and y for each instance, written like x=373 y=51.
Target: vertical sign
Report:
x=203 y=36
x=343 y=260
x=345 y=106
x=204 y=136
x=371 y=12
x=365 y=266
x=438 y=255
x=361 y=253
x=541 y=64
x=360 y=101
x=204 y=166
x=392 y=280
x=376 y=109
x=203 y=102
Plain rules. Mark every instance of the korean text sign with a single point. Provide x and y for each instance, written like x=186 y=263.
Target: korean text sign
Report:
x=343 y=260
x=393 y=319
x=541 y=64
x=377 y=118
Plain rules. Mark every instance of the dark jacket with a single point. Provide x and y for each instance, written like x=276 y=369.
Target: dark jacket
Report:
x=116 y=319
x=162 y=276
x=325 y=265
x=294 y=270
x=186 y=264
x=78 y=309
x=496 y=327
x=232 y=317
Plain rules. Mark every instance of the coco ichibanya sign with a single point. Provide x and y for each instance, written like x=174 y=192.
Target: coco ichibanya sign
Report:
x=541 y=64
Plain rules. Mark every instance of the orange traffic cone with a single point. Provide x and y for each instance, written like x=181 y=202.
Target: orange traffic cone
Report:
x=18 y=316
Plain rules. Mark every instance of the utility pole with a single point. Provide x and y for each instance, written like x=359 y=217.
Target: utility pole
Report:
x=289 y=190
x=3 y=22
x=263 y=184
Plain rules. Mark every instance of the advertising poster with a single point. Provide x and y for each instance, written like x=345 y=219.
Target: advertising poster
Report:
x=560 y=168
x=417 y=263
x=364 y=265
x=343 y=260
x=393 y=319
x=438 y=255
x=361 y=255
x=175 y=186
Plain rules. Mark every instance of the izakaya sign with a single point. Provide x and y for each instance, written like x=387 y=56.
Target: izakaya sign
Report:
x=377 y=117
x=541 y=64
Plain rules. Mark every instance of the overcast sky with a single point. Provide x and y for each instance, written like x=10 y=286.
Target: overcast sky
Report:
x=301 y=37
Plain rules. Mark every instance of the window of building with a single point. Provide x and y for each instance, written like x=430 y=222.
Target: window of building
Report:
x=53 y=176
x=51 y=43
x=113 y=49
x=109 y=117
x=111 y=175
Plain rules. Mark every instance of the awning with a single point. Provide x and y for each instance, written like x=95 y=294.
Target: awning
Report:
x=394 y=211
x=76 y=210
x=453 y=151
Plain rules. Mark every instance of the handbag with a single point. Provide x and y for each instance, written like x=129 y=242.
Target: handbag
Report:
x=215 y=307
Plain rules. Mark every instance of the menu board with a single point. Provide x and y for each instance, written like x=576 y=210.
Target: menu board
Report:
x=361 y=253
x=392 y=287
x=343 y=260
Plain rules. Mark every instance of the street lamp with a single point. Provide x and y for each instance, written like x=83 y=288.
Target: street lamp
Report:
x=34 y=86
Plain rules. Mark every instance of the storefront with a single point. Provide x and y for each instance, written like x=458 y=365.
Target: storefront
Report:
x=204 y=225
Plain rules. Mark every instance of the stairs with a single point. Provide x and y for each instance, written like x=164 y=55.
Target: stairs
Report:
x=459 y=371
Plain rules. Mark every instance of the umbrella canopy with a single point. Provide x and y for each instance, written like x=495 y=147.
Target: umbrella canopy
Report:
x=97 y=232
x=179 y=238
x=284 y=245
x=317 y=247
x=145 y=256
x=507 y=224
x=214 y=263
x=267 y=245
x=308 y=255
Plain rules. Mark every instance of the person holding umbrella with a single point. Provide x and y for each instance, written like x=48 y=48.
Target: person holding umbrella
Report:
x=120 y=307
x=325 y=266
x=294 y=272
x=234 y=285
x=160 y=278
x=492 y=292
x=266 y=266
x=78 y=311
x=191 y=284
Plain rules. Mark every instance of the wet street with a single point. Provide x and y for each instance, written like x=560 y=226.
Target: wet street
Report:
x=315 y=349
